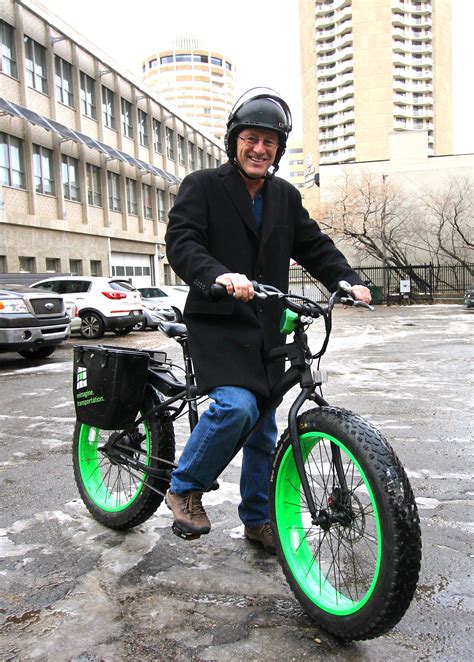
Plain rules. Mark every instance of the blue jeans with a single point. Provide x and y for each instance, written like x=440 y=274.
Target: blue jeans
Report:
x=212 y=444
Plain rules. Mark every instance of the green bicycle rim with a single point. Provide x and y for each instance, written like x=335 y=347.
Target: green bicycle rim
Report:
x=294 y=537
x=100 y=488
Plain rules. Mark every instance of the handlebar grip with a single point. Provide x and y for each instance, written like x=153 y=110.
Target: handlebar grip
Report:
x=217 y=291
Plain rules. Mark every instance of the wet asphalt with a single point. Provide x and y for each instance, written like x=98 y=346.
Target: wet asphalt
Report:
x=70 y=589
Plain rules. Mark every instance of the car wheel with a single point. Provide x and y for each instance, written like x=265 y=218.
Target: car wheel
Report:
x=141 y=326
x=37 y=352
x=123 y=332
x=92 y=326
x=178 y=315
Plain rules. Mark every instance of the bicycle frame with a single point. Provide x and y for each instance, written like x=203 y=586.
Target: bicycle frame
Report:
x=162 y=379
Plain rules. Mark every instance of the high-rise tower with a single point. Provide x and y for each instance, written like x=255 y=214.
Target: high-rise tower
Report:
x=369 y=68
x=195 y=79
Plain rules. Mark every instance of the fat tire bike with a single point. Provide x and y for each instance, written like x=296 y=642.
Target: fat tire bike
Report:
x=343 y=514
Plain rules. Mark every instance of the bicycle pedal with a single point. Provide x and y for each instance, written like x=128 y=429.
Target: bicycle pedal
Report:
x=185 y=535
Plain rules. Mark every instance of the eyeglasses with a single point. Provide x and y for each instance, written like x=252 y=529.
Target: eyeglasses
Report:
x=252 y=141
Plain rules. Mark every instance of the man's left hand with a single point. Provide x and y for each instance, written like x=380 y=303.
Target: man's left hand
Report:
x=361 y=293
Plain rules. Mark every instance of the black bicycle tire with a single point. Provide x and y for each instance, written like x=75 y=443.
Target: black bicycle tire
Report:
x=146 y=501
x=400 y=557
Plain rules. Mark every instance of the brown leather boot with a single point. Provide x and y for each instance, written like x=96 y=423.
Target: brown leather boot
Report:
x=262 y=534
x=190 y=518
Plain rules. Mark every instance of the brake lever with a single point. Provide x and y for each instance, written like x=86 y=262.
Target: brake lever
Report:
x=349 y=301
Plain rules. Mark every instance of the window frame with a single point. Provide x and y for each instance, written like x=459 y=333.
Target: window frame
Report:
x=63 y=72
x=43 y=184
x=70 y=163
x=161 y=205
x=132 y=199
x=114 y=191
x=108 y=107
x=147 y=204
x=157 y=136
x=181 y=150
x=15 y=177
x=35 y=65
x=143 y=127
x=126 y=121
x=93 y=185
x=8 y=50
x=88 y=100
x=170 y=153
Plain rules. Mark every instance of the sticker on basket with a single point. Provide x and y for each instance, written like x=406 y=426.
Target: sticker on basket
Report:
x=81 y=377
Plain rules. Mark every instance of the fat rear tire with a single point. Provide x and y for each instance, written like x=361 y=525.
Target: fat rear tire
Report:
x=92 y=327
x=115 y=495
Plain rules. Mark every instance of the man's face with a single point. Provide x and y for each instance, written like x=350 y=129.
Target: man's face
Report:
x=256 y=150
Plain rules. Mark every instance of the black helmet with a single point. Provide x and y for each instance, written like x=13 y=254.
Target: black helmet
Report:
x=261 y=108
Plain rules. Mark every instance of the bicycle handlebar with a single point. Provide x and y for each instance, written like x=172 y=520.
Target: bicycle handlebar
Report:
x=306 y=307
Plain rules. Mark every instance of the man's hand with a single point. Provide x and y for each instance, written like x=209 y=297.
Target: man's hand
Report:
x=237 y=285
x=361 y=293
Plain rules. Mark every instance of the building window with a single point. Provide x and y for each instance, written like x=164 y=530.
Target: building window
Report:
x=170 y=143
x=35 y=60
x=70 y=172
x=200 y=158
x=181 y=150
x=96 y=268
x=53 y=264
x=94 y=188
x=43 y=170
x=27 y=264
x=3 y=264
x=192 y=156
x=88 y=106
x=160 y=199
x=143 y=127
x=146 y=195
x=75 y=267
x=12 y=165
x=127 y=126
x=8 y=53
x=108 y=107
x=113 y=181
x=131 y=186
x=157 y=143
x=64 y=86
x=172 y=199
x=152 y=63
x=209 y=161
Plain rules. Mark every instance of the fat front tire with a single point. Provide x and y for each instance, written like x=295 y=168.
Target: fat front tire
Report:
x=356 y=568
x=115 y=494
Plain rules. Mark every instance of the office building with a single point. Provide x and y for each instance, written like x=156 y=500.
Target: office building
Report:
x=90 y=158
x=198 y=81
x=369 y=68
x=295 y=158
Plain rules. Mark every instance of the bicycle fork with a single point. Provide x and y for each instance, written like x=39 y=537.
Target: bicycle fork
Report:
x=339 y=512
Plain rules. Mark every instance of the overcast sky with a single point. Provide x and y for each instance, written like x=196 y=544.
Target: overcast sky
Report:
x=261 y=37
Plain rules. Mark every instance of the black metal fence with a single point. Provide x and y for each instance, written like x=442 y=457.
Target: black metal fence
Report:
x=416 y=283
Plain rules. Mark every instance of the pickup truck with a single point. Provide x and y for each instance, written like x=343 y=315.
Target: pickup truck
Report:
x=32 y=322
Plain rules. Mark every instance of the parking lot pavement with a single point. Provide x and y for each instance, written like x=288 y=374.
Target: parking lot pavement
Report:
x=74 y=590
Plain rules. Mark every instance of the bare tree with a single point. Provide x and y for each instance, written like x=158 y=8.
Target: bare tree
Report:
x=374 y=215
x=449 y=232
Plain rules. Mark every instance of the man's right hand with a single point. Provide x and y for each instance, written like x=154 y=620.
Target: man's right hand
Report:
x=238 y=285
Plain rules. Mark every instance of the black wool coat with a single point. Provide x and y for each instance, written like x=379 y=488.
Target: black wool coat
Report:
x=212 y=231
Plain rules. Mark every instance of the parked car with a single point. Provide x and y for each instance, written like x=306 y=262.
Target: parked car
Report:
x=173 y=296
x=469 y=297
x=154 y=315
x=104 y=304
x=32 y=323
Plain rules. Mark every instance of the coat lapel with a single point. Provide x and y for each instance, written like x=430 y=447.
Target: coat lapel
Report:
x=270 y=209
x=235 y=187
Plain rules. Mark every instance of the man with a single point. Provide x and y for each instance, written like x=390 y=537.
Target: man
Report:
x=231 y=225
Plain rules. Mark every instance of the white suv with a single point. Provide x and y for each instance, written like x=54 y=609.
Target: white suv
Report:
x=104 y=304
